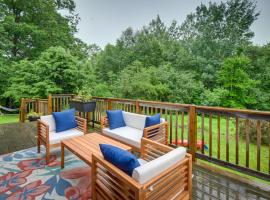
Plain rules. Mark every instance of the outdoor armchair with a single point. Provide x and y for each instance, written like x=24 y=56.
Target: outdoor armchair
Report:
x=165 y=173
x=47 y=135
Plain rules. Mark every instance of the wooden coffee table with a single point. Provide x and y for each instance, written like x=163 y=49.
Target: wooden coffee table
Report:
x=84 y=146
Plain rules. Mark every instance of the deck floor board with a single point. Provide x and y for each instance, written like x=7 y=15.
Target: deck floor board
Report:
x=206 y=184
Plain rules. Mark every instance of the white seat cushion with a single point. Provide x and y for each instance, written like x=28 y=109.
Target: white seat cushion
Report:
x=149 y=170
x=126 y=134
x=57 y=137
x=49 y=120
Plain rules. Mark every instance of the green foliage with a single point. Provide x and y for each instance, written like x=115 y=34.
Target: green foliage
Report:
x=29 y=27
x=253 y=131
x=234 y=78
x=219 y=29
x=217 y=97
x=55 y=71
x=139 y=82
x=209 y=59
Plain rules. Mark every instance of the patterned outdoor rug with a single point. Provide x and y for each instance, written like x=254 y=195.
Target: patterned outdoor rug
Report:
x=24 y=176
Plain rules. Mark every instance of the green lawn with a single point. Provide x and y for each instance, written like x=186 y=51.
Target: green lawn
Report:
x=10 y=118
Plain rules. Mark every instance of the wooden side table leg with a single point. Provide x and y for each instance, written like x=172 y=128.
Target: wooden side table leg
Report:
x=62 y=155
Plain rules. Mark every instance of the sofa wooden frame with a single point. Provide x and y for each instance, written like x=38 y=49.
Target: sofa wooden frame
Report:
x=158 y=133
x=109 y=182
x=43 y=136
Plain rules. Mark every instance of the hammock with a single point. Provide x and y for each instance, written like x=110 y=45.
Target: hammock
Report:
x=9 y=109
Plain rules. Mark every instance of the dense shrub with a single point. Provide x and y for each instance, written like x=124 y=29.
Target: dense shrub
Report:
x=253 y=131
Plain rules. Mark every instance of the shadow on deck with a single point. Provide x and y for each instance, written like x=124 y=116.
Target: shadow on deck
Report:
x=206 y=183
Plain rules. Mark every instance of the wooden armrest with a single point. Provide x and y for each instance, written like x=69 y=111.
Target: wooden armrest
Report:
x=43 y=130
x=157 y=132
x=82 y=124
x=104 y=122
x=151 y=150
x=110 y=181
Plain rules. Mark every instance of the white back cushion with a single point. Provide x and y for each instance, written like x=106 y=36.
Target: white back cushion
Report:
x=134 y=120
x=149 y=170
x=49 y=120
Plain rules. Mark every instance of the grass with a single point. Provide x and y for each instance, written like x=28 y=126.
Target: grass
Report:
x=9 y=118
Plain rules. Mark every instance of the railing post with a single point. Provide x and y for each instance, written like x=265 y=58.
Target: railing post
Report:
x=109 y=105
x=192 y=131
x=137 y=106
x=22 y=110
x=37 y=106
x=49 y=104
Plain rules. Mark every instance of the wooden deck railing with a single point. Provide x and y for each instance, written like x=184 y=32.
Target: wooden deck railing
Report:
x=53 y=103
x=217 y=129
x=224 y=134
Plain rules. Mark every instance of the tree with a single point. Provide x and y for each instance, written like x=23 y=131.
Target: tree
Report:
x=234 y=78
x=55 y=71
x=27 y=28
x=219 y=30
x=260 y=71
x=138 y=82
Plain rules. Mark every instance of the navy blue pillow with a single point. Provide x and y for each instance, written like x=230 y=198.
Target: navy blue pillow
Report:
x=116 y=119
x=65 y=120
x=122 y=159
x=153 y=120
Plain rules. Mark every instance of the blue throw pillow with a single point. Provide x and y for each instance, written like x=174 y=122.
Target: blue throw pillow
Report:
x=65 y=120
x=122 y=159
x=116 y=119
x=153 y=120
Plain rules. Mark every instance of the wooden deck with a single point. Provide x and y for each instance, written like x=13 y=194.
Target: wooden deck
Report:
x=206 y=184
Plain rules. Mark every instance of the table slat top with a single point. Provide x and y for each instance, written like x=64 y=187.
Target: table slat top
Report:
x=85 y=146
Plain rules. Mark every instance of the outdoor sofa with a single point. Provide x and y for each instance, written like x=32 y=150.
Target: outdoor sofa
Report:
x=135 y=130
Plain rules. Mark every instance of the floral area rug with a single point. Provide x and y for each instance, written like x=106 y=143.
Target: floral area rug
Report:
x=24 y=175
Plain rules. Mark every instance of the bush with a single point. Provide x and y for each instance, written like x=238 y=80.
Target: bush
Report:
x=253 y=131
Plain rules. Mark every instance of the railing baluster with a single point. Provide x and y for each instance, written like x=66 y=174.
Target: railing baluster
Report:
x=269 y=147
x=183 y=127
x=202 y=130
x=60 y=103
x=171 y=124
x=176 y=128
x=237 y=140
x=218 y=132
x=247 y=142
x=227 y=137
x=258 y=145
x=210 y=134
